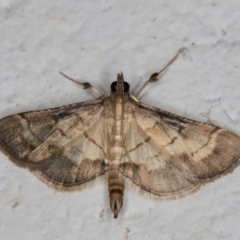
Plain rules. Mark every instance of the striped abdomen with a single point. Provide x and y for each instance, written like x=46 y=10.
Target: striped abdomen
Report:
x=115 y=184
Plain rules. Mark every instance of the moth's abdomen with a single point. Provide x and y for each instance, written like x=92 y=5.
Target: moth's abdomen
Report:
x=115 y=183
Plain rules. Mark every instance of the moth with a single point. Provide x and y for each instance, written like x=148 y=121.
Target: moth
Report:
x=164 y=154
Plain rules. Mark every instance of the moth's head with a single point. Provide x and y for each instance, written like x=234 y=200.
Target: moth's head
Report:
x=120 y=86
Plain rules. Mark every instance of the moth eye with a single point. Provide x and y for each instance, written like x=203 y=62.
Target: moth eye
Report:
x=114 y=86
x=126 y=87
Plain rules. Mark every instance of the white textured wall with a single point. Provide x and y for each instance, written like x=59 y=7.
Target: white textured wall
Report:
x=93 y=41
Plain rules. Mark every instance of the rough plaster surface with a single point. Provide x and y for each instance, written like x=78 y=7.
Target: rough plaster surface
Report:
x=93 y=41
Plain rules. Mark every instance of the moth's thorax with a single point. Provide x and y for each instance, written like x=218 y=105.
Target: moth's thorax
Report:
x=118 y=107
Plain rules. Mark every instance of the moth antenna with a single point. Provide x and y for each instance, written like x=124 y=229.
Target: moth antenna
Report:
x=86 y=85
x=154 y=77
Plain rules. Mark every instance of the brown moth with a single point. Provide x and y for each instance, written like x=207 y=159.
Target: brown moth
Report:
x=164 y=154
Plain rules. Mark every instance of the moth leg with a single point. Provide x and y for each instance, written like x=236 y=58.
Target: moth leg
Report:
x=86 y=85
x=154 y=77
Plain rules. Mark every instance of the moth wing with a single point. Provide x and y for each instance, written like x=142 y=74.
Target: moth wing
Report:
x=64 y=146
x=170 y=156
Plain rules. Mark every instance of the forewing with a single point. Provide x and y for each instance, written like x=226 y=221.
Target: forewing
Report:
x=171 y=156
x=63 y=146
